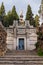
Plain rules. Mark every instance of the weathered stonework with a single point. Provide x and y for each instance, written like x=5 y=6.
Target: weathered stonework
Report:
x=21 y=35
x=3 y=36
x=26 y=32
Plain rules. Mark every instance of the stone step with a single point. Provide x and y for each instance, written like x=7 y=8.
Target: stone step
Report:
x=22 y=52
x=21 y=60
x=20 y=56
x=21 y=64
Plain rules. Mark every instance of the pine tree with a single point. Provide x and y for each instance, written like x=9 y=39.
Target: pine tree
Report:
x=10 y=18
x=14 y=13
x=2 y=9
x=2 y=12
x=36 y=21
x=6 y=22
x=29 y=15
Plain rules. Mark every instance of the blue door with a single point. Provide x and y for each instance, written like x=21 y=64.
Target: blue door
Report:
x=21 y=44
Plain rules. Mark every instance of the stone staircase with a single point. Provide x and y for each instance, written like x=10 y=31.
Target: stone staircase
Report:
x=19 y=58
x=21 y=52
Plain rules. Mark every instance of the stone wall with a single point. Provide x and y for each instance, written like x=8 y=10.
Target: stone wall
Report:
x=10 y=38
x=16 y=31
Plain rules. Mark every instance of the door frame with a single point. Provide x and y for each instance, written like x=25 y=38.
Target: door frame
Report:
x=24 y=42
x=21 y=40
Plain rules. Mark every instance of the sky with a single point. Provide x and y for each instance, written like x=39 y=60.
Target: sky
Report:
x=22 y=5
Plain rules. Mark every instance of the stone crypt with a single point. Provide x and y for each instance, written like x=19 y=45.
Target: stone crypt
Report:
x=21 y=35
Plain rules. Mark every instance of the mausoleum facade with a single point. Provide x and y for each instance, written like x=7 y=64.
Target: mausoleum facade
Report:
x=21 y=35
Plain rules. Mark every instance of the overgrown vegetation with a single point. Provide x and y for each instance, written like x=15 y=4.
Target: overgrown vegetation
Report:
x=39 y=44
x=40 y=52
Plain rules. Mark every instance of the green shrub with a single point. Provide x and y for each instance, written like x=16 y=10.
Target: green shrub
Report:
x=40 y=52
x=37 y=45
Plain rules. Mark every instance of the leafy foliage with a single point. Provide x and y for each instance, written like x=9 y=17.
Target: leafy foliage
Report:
x=40 y=52
x=14 y=13
x=29 y=15
x=11 y=15
x=39 y=44
x=6 y=22
x=36 y=20
x=2 y=12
